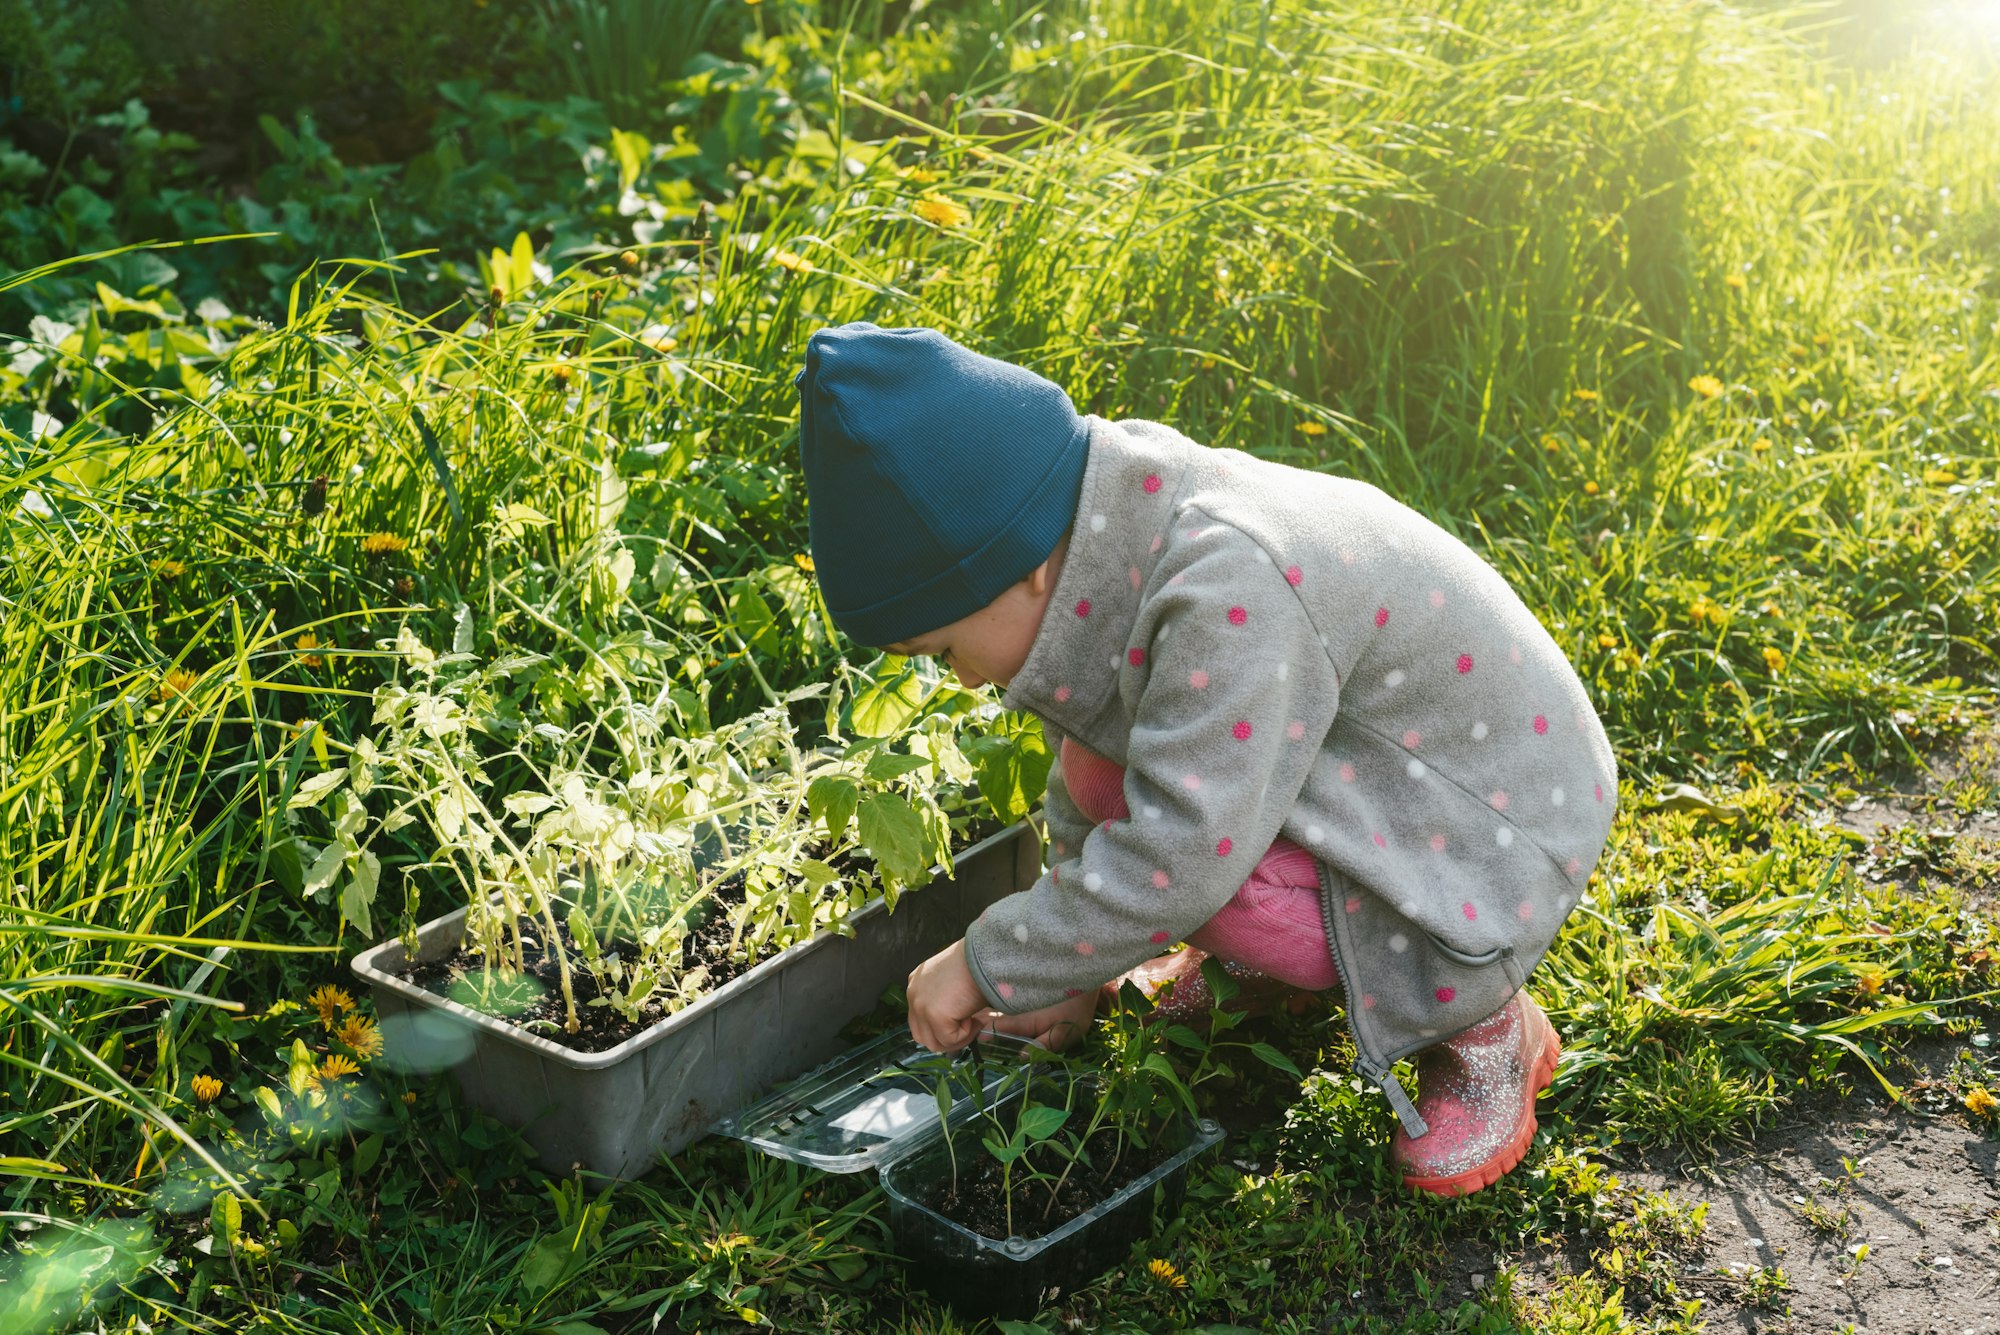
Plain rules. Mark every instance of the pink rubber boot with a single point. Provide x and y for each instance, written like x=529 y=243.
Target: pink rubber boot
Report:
x=1477 y=1093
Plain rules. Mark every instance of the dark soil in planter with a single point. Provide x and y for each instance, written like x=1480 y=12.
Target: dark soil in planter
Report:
x=979 y=1202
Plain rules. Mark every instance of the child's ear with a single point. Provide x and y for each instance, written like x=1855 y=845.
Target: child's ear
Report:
x=1041 y=580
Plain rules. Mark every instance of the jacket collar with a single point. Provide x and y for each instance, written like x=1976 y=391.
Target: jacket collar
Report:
x=1132 y=482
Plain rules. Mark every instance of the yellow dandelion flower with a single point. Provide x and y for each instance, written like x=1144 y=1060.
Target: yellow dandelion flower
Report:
x=1552 y=443
x=1821 y=340
x=1629 y=659
x=1208 y=363
x=331 y=1002
x=1705 y=610
x=1869 y=983
x=1799 y=351
x=409 y=1098
x=1707 y=386
x=1606 y=640
x=1980 y=1103
x=921 y=175
x=1312 y=428
x=1164 y=1272
x=941 y=211
x=337 y=1066
x=1773 y=659
x=1737 y=281
x=561 y=373
x=170 y=569
x=804 y=562
x=207 y=1089
x=1585 y=395
x=786 y=259
x=359 y=1032
x=384 y=544
x=1761 y=445
x=1940 y=477
x=656 y=337
x=305 y=644
x=175 y=681
x=1590 y=488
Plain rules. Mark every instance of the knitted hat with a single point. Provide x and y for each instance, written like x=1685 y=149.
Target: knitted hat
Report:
x=936 y=477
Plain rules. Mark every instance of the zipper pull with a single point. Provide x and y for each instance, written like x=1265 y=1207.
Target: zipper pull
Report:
x=1399 y=1098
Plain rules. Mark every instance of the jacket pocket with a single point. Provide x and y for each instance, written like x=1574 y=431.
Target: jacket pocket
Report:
x=1500 y=955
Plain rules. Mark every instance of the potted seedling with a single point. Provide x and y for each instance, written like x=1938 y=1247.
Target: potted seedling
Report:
x=646 y=945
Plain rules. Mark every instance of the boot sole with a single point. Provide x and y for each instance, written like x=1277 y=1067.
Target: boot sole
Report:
x=1486 y=1174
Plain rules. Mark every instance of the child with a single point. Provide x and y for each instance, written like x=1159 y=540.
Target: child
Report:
x=1297 y=723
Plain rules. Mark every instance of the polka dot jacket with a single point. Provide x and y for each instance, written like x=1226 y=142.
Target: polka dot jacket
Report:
x=1271 y=651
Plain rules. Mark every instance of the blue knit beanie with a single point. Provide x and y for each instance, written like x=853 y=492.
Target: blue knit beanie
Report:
x=935 y=477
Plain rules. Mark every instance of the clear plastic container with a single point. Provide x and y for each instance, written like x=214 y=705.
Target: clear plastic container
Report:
x=875 y=1107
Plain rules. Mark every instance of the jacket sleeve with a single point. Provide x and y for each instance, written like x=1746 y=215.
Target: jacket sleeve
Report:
x=1067 y=825
x=1234 y=697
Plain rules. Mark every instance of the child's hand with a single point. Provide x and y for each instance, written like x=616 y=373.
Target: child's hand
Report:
x=1053 y=1027
x=947 y=1009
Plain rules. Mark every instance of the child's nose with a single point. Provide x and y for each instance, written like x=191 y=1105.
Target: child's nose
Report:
x=967 y=678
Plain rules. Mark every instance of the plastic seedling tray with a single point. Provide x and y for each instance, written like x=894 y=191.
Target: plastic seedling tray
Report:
x=617 y=1111
x=876 y=1108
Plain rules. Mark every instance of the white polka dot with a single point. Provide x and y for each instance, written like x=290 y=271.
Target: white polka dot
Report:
x=1503 y=837
x=1409 y=908
x=1427 y=1033
x=1479 y=731
x=1399 y=943
x=1394 y=679
x=1092 y=881
x=1117 y=661
x=1315 y=834
x=1263 y=557
x=1097 y=523
x=1150 y=813
x=1555 y=797
x=1021 y=932
x=1416 y=769
x=1165 y=630
x=1284 y=671
x=1323 y=643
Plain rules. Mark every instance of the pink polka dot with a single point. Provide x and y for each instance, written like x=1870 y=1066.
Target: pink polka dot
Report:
x=1237 y=616
x=1573 y=867
x=1241 y=732
x=1222 y=847
x=1347 y=773
x=1346 y=557
x=1354 y=903
x=1445 y=995
x=1006 y=991
x=1464 y=663
x=1294 y=576
x=1380 y=842
x=1107 y=826
x=1471 y=913
x=1295 y=730
x=1191 y=782
x=1083 y=607
x=1514 y=654
x=1177 y=580
x=1151 y=484
x=1411 y=738
x=1598 y=789
x=1072 y=991
x=1498 y=801
x=1160 y=938
x=1437 y=597
x=1526 y=911
x=1085 y=948
x=1437 y=843
x=1159 y=880
x=1198 y=679
x=1055 y=875
x=1062 y=694
x=1541 y=725
x=1381 y=617
x=1136 y=657
x=1157 y=540
x=1134 y=576
x=1368 y=1001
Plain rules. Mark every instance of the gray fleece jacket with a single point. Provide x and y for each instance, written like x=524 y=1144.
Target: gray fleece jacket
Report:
x=1270 y=651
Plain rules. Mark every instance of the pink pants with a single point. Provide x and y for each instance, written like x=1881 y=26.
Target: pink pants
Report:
x=1273 y=922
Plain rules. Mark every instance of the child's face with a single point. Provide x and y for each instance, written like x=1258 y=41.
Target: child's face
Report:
x=992 y=643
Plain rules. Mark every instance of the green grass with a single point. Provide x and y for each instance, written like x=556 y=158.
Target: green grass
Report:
x=1480 y=258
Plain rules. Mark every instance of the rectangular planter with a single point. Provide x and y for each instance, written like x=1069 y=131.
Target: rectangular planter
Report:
x=1010 y=1278
x=617 y=1111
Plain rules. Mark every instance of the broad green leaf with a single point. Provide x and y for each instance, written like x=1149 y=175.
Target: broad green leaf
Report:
x=831 y=799
x=318 y=786
x=630 y=149
x=886 y=765
x=515 y=520
x=325 y=867
x=359 y=897
x=892 y=831
x=366 y=1154
x=1687 y=797
x=225 y=1220
x=1002 y=1153
x=886 y=708
x=1039 y=1121
x=1271 y=1057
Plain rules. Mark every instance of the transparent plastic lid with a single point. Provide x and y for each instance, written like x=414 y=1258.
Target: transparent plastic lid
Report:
x=871 y=1105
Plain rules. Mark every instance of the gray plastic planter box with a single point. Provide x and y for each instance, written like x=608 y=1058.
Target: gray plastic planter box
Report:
x=618 y=1111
